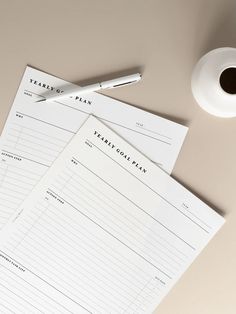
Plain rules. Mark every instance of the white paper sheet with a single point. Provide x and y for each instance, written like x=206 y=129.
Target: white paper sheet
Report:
x=35 y=133
x=105 y=231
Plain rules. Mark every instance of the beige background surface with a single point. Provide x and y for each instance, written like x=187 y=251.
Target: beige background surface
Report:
x=84 y=39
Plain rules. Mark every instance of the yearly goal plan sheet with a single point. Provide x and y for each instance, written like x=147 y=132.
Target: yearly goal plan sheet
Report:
x=35 y=133
x=104 y=231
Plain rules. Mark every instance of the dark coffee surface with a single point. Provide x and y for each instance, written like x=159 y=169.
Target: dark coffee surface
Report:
x=228 y=80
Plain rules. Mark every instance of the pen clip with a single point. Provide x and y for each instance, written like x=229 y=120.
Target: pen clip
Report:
x=122 y=84
x=122 y=81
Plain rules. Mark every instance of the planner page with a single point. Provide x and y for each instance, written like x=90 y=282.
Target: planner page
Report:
x=35 y=133
x=104 y=231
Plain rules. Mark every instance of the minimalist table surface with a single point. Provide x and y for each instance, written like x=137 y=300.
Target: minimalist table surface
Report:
x=80 y=40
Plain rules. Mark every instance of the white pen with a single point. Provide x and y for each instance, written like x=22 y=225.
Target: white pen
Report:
x=118 y=82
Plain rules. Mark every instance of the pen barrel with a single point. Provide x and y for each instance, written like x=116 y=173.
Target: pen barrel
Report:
x=80 y=90
x=87 y=89
x=76 y=91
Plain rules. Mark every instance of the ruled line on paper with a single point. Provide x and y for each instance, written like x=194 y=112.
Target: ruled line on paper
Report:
x=159 y=195
x=26 y=289
x=34 y=143
x=15 y=185
x=114 y=123
x=41 y=228
x=76 y=182
x=24 y=251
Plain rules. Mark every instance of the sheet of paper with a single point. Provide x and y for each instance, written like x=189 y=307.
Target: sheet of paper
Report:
x=105 y=231
x=35 y=133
